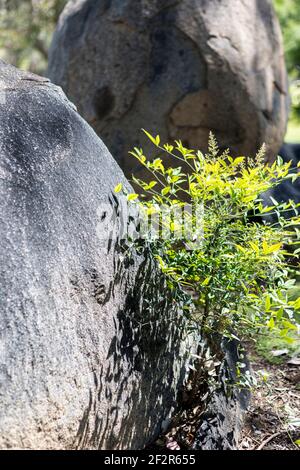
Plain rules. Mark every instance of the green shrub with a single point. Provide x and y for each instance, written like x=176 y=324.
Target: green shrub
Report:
x=269 y=342
x=235 y=271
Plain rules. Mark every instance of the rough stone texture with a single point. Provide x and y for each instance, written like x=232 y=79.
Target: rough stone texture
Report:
x=223 y=419
x=175 y=67
x=91 y=354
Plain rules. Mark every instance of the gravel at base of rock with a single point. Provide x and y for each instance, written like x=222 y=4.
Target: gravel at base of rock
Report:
x=272 y=421
x=212 y=405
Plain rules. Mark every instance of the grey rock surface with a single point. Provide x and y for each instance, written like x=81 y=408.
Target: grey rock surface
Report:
x=175 y=67
x=287 y=190
x=223 y=419
x=91 y=354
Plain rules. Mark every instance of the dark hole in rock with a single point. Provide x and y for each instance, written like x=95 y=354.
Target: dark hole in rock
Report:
x=104 y=102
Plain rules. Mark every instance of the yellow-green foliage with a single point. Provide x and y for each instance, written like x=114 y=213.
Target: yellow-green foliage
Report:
x=235 y=269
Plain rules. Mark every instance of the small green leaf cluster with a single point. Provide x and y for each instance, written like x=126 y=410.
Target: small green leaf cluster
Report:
x=236 y=271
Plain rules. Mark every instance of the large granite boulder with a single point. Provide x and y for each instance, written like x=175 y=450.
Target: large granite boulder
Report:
x=178 y=68
x=91 y=349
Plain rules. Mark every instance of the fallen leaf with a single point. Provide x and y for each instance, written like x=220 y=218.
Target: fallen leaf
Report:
x=295 y=361
x=280 y=352
x=172 y=444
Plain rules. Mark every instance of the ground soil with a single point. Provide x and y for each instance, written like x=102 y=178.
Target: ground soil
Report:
x=273 y=419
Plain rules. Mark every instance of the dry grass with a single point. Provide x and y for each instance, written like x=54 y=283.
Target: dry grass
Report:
x=273 y=420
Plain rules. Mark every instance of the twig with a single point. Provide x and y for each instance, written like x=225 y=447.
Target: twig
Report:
x=266 y=441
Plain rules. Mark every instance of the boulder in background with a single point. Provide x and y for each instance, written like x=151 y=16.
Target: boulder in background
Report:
x=177 y=68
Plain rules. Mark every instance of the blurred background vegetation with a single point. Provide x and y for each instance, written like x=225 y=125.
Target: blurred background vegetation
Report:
x=26 y=28
x=288 y=12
